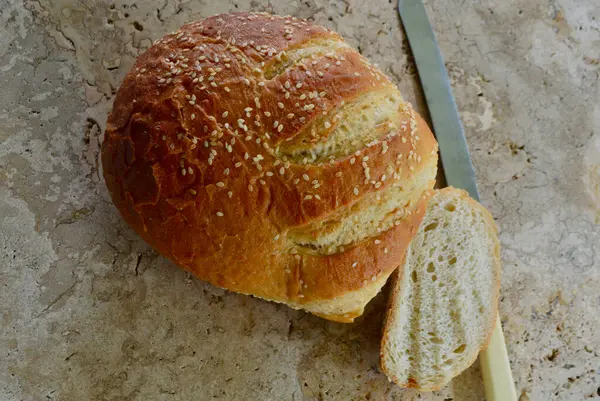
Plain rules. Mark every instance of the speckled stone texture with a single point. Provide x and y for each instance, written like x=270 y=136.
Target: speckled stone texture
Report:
x=89 y=312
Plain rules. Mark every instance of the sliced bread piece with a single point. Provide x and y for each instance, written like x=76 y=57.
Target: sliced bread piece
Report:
x=443 y=304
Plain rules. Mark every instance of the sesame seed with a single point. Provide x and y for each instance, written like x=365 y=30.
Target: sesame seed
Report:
x=164 y=137
x=403 y=140
x=355 y=191
x=226 y=171
x=220 y=214
x=193 y=191
x=290 y=115
x=352 y=160
x=385 y=250
x=296 y=181
x=230 y=194
x=299 y=85
x=183 y=172
x=220 y=184
x=354 y=264
x=338 y=174
x=280 y=128
x=327 y=124
x=282 y=171
x=269 y=174
x=225 y=113
x=377 y=242
x=308 y=197
x=306 y=177
x=261 y=83
x=267 y=113
x=281 y=106
x=238 y=164
x=250 y=188
x=373 y=278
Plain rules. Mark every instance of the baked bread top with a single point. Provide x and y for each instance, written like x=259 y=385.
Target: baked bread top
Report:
x=266 y=156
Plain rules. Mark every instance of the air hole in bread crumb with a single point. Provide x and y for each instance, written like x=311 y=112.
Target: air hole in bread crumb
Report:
x=413 y=276
x=431 y=226
x=460 y=349
x=430 y=267
x=452 y=260
x=450 y=207
x=434 y=278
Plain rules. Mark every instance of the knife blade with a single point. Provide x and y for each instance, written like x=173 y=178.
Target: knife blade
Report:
x=447 y=127
x=457 y=165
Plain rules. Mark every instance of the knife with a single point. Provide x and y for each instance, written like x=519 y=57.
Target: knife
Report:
x=456 y=161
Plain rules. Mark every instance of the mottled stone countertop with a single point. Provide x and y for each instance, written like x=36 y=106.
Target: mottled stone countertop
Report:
x=89 y=312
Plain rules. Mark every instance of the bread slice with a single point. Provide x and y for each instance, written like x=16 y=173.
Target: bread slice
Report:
x=444 y=301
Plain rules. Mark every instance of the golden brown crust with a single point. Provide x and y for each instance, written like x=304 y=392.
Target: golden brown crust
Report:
x=190 y=157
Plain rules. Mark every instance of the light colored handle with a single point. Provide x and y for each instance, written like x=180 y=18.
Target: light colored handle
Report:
x=495 y=367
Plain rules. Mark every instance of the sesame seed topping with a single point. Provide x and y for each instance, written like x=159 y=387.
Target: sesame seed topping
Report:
x=250 y=188
x=190 y=170
x=282 y=171
x=230 y=194
x=377 y=242
x=308 y=197
x=327 y=124
x=355 y=191
x=225 y=114
x=385 y=250
x=338 y=174
x=306 y=177
x=220 y=184
x=354 y=264
x=238 y=164
x=280 y=105
x=220 y=214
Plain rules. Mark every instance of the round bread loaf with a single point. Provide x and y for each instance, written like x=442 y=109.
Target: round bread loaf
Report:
x=266 y=156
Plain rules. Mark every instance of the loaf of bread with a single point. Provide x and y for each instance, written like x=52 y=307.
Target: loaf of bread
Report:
x=443 y=304
x=266 y=156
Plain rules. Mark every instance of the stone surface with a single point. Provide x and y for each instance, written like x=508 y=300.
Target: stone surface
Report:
x=89 y=312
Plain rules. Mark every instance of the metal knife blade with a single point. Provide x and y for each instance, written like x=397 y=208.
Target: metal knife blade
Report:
x=447 y=127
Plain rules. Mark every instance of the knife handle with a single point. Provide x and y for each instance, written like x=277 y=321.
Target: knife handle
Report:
x=495 y=367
